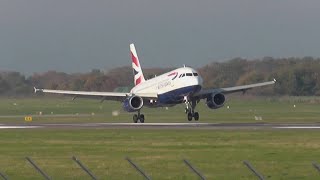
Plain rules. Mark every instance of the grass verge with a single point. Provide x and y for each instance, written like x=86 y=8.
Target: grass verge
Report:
x=285 y=154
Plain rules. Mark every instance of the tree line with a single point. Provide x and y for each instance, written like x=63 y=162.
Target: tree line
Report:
x=295 y=77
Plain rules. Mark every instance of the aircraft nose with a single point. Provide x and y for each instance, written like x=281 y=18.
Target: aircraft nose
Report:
x=199 y=80
x=195 y=82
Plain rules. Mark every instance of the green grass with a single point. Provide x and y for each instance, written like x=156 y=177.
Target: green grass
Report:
x=285 y=154
x=241 y=110
x=218 y=154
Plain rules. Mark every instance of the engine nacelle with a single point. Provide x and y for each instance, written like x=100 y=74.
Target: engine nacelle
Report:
x=216 y=101
x=133 y=103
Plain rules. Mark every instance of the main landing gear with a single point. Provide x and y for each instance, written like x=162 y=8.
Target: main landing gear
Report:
x=190 y=110
x=191 y=114
x=138 y=117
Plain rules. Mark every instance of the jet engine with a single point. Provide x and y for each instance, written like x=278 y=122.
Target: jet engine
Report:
x=216 y=101
x=133 y=103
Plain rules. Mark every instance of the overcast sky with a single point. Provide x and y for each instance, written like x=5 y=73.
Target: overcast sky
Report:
x=79 y=35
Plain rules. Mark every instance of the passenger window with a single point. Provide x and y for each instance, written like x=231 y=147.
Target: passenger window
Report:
x=195 y=74
x=189 y=74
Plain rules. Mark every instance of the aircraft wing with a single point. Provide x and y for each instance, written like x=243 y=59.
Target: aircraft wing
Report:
x=228 y=90
x=117 y=96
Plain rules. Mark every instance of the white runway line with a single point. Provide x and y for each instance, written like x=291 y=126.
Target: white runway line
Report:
x=156 y=124
x=130 y=124
x=298 y=127
x=18 y=127
x=163 y=125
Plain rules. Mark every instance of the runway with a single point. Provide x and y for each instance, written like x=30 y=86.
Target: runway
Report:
x=191 y=125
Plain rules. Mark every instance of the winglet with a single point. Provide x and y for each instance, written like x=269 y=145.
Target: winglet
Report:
x=274 y=80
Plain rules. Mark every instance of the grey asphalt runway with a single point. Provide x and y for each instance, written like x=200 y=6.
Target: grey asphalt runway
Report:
x=190 y=125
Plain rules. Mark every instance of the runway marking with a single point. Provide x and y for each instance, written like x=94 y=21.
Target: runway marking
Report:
x=18 y=127
x=298 y=127
x=132 y=124
x=164 y=125
x=157 y=124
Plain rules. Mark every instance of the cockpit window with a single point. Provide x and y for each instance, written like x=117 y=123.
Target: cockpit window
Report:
x=188 y=74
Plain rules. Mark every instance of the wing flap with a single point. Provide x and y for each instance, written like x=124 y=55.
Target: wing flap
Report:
x=228 y=90
x=246 y=87
x=97 y=95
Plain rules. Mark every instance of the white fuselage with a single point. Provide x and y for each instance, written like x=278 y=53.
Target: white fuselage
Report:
x=173 y=86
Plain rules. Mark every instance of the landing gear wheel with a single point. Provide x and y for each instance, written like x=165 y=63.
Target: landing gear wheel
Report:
x=196 y=116
x=135 y=118
x=189 y=116
x=141 y=118
x=189 y=110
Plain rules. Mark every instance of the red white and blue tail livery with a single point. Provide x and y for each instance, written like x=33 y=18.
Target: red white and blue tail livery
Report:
x=182 y=85
x=137 y=71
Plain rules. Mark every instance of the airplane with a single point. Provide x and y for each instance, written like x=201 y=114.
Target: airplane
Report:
x=182 y=85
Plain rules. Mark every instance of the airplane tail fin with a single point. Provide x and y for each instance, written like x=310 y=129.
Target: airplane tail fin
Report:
x=137 y=71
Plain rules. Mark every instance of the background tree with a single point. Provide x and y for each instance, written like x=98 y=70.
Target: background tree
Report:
x=295 y=76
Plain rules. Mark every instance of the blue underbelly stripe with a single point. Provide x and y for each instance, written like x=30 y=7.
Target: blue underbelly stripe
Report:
x=176 y=96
